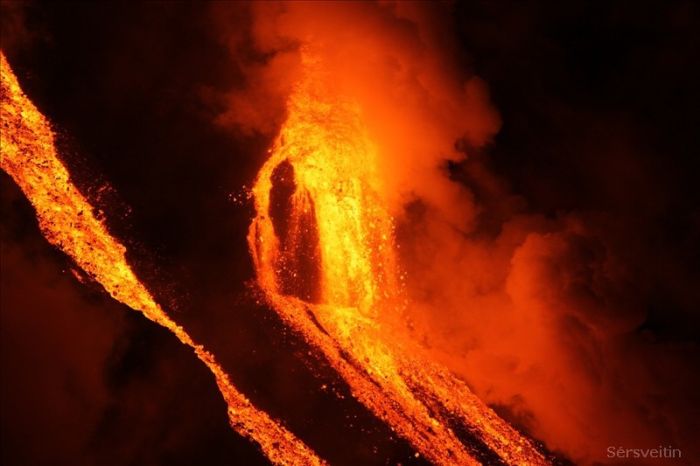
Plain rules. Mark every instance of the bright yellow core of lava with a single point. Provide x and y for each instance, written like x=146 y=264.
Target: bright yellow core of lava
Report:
x=333 y=214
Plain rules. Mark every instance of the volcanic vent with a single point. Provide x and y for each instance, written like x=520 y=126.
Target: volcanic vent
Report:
x=323 y=247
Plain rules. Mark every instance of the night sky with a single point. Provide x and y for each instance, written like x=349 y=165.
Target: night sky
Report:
x=598 y=106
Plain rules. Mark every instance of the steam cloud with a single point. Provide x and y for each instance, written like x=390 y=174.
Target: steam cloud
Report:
x=542 y=314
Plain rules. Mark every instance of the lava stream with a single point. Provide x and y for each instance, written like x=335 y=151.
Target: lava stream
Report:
x=322 y=245
x=67 y=221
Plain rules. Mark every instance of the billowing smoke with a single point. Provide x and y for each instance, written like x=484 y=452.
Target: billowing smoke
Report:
x=543 y=321
x=544 y=314
x=394 y=61
x=551 y=262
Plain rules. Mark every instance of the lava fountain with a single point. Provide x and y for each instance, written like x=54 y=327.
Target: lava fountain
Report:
x=67 y=221
x=323 y=247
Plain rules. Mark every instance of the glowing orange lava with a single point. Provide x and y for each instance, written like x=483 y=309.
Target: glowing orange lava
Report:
x=67 y=221
x=323 y=249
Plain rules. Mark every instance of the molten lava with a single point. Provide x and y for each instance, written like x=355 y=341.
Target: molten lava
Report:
x=322 y=244
x=67 y=221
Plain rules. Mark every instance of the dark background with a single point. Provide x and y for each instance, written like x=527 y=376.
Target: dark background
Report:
x=598 y=104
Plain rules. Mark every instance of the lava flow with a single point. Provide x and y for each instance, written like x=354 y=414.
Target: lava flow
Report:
x=67 y=221
x=323 y=249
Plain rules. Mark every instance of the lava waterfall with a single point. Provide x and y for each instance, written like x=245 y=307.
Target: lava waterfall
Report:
x=323 y=248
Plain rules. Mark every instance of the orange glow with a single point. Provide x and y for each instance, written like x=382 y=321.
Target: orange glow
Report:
x=323 y=248
x=67 y=221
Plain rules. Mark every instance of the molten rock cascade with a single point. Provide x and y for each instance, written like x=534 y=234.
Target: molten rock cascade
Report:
x=322 y=245
x=324 y=253
x=67 y=221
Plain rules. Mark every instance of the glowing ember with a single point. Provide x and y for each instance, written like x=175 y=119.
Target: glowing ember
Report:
x=67 y=221
x=322 y=244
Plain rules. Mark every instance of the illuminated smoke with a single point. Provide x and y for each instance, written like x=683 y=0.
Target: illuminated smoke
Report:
x=323 y=247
